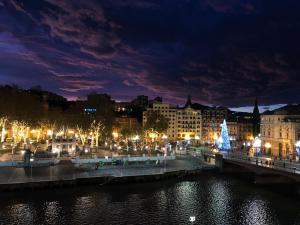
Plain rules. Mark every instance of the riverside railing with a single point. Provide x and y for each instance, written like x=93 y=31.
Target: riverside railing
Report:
x=94 y=160
x=268 y=162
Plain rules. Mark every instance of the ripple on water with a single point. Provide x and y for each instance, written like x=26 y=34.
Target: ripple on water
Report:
x=211 y=200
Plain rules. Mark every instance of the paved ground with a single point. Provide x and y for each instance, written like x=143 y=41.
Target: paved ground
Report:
x=65 y=170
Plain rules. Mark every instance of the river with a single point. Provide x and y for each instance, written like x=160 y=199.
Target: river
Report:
x=209 y=199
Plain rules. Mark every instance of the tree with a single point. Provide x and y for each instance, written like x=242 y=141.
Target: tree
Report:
x=3 y=121
x=19 y=131
x=224 y=143
x=45 y=128
x=83 y=135
x=126 y=133
x=156 y=122
x=104 y=111
x=96 y=131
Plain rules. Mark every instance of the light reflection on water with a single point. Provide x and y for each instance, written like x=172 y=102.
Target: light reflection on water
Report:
x=212 y=200
x=257 y=212
x=52 y=212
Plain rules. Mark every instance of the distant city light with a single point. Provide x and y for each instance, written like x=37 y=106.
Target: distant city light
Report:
x=90 y=110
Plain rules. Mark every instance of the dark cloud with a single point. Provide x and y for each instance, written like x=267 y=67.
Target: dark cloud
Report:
x=223 y=52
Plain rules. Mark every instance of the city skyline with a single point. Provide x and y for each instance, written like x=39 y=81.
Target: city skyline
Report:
x=220 y=52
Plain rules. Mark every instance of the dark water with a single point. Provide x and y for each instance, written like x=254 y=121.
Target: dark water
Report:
x=212 y=200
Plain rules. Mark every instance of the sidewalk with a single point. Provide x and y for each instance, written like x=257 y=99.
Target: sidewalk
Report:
x=66 y=171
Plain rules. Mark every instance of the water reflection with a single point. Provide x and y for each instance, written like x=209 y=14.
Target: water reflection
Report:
x=53 y=212
x=257 y=212
x=219 y=203
x=21 y=214
x=212 y=200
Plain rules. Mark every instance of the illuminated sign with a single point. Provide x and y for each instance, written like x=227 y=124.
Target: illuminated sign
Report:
x=90 y=110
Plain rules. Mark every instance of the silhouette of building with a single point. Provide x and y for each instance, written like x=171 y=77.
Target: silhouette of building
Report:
x=256 y=120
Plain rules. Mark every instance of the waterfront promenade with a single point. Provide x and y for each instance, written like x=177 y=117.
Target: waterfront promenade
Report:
x=266 y=162
x=66 y=171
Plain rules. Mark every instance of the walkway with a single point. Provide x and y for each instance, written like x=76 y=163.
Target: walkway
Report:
x=266 y=162
x=65 y=170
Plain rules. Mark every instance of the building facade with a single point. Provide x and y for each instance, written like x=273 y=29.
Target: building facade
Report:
x=212 y=119
x=240 y=130
x=280 y=131
x=184 y=123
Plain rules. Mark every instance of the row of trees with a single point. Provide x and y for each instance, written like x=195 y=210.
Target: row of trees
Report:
x=21 y=131
x=45 y=113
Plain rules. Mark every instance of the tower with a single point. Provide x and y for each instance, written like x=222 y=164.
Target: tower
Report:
x=256 y=119
x=188 y=102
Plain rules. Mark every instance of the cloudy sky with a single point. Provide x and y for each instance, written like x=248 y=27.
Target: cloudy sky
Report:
x=222 y=52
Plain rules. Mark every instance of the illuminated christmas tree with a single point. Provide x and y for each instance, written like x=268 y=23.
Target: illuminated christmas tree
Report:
x=224 y=143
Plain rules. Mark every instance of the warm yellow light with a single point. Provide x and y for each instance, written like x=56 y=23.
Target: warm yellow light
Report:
x=33 y=131
x=164 y=136
x=197 y=137
x=251 y=138
x=60 y=133
x=136 y=137
x=268 y=145
x=115 y=134
x=70 y=131
x=187 y=137
x=152 y=135
x=49 y=132
x=215 y=136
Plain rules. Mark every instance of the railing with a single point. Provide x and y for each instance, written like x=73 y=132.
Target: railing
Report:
x=282 y=165
x=129 y=159
x=36 y=162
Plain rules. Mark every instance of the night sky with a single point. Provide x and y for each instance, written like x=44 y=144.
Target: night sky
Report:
x=221 y=52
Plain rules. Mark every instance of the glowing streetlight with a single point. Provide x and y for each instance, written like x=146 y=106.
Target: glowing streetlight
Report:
x=49 y=132
x=115 y=134
x=257 y=145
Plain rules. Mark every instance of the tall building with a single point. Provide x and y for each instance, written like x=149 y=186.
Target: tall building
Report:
x=212 y=119
x=240 y=129
x=256 y=120
x=141 y=101
x=184 y=123
x=280 y=131
x=189 y=122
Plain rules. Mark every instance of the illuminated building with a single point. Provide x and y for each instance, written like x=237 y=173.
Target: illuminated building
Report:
x=184 y=123
x=280 y=131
